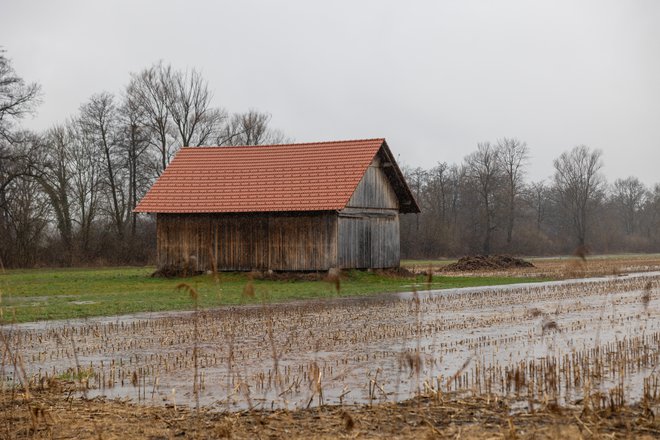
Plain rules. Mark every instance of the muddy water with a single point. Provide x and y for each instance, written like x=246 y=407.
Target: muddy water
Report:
x=568 y=336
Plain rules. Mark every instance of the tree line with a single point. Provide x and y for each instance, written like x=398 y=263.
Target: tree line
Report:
x=486 y=205
x=67 y=194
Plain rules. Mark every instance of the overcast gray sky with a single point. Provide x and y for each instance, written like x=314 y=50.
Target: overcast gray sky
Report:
x=433 y=77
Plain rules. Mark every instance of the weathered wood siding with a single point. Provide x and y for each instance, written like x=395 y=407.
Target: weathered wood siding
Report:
x=246 y=242
x=368 y=242
x=369 y=225
x=303 y=242
x=374 y=190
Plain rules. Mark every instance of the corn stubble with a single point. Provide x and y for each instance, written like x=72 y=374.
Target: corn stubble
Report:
x=593 y=344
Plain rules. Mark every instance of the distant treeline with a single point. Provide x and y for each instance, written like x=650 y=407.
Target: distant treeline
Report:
x=67 y=194
x=486 y=205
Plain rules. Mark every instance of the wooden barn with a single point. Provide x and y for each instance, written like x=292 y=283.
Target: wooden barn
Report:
x=296 y=207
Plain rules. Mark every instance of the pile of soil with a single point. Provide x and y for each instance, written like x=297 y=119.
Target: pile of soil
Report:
x=487 y=262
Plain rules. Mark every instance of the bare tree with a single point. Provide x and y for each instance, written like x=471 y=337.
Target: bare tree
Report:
x=188 y=101
x=27 y=215
x=484 y=173
x=512 y=155
x=16 y=158
x=250 y=128
x=17 y=163
x=651 y=215
x=99 y=121
x=438 y=188
x=538 y=196
x=579 y=186
x=147 y=90
x=86 y=168
x=54 y=176
x=135 y=146
x=17 y=98
x=628 y=196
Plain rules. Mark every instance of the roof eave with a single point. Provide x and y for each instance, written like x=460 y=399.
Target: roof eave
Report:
x=407 y=202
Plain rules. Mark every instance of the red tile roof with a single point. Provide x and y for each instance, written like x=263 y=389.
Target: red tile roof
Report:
x=296 y=177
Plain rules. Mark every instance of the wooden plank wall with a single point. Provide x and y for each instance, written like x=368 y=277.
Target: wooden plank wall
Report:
x=385 y=242
x=247 y=242
x=302 y=242
x=368 y=242
x=374 y=190
x=369 y=225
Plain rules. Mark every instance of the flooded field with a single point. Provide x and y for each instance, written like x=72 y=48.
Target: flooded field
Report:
x=534 y=343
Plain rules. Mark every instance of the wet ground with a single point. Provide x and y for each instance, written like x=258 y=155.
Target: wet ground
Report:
x=535 y=343
x=59 y=416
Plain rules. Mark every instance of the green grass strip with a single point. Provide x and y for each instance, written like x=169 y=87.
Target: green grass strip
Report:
x=46 y=294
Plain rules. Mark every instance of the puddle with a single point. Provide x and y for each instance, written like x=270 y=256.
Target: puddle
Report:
x=10 y=300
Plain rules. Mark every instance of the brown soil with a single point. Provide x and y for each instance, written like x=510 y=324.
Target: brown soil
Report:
x=487 y=262
x=53 y=415
x=174 y=271
x=331 y=275
x=397 y=272
x=288 y=276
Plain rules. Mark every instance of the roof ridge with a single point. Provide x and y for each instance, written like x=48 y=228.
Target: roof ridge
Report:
x=294 y=144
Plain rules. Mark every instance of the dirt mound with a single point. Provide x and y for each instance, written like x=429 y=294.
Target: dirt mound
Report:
x=487 y=262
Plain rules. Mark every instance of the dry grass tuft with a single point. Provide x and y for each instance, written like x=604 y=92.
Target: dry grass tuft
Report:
x=190 y=290
x=646 y=294
x=248 y=290
x=334 y=278
x=349 y=423
x=549 y=325
x=535 y=313
x=581 y=252
x=413 y=362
